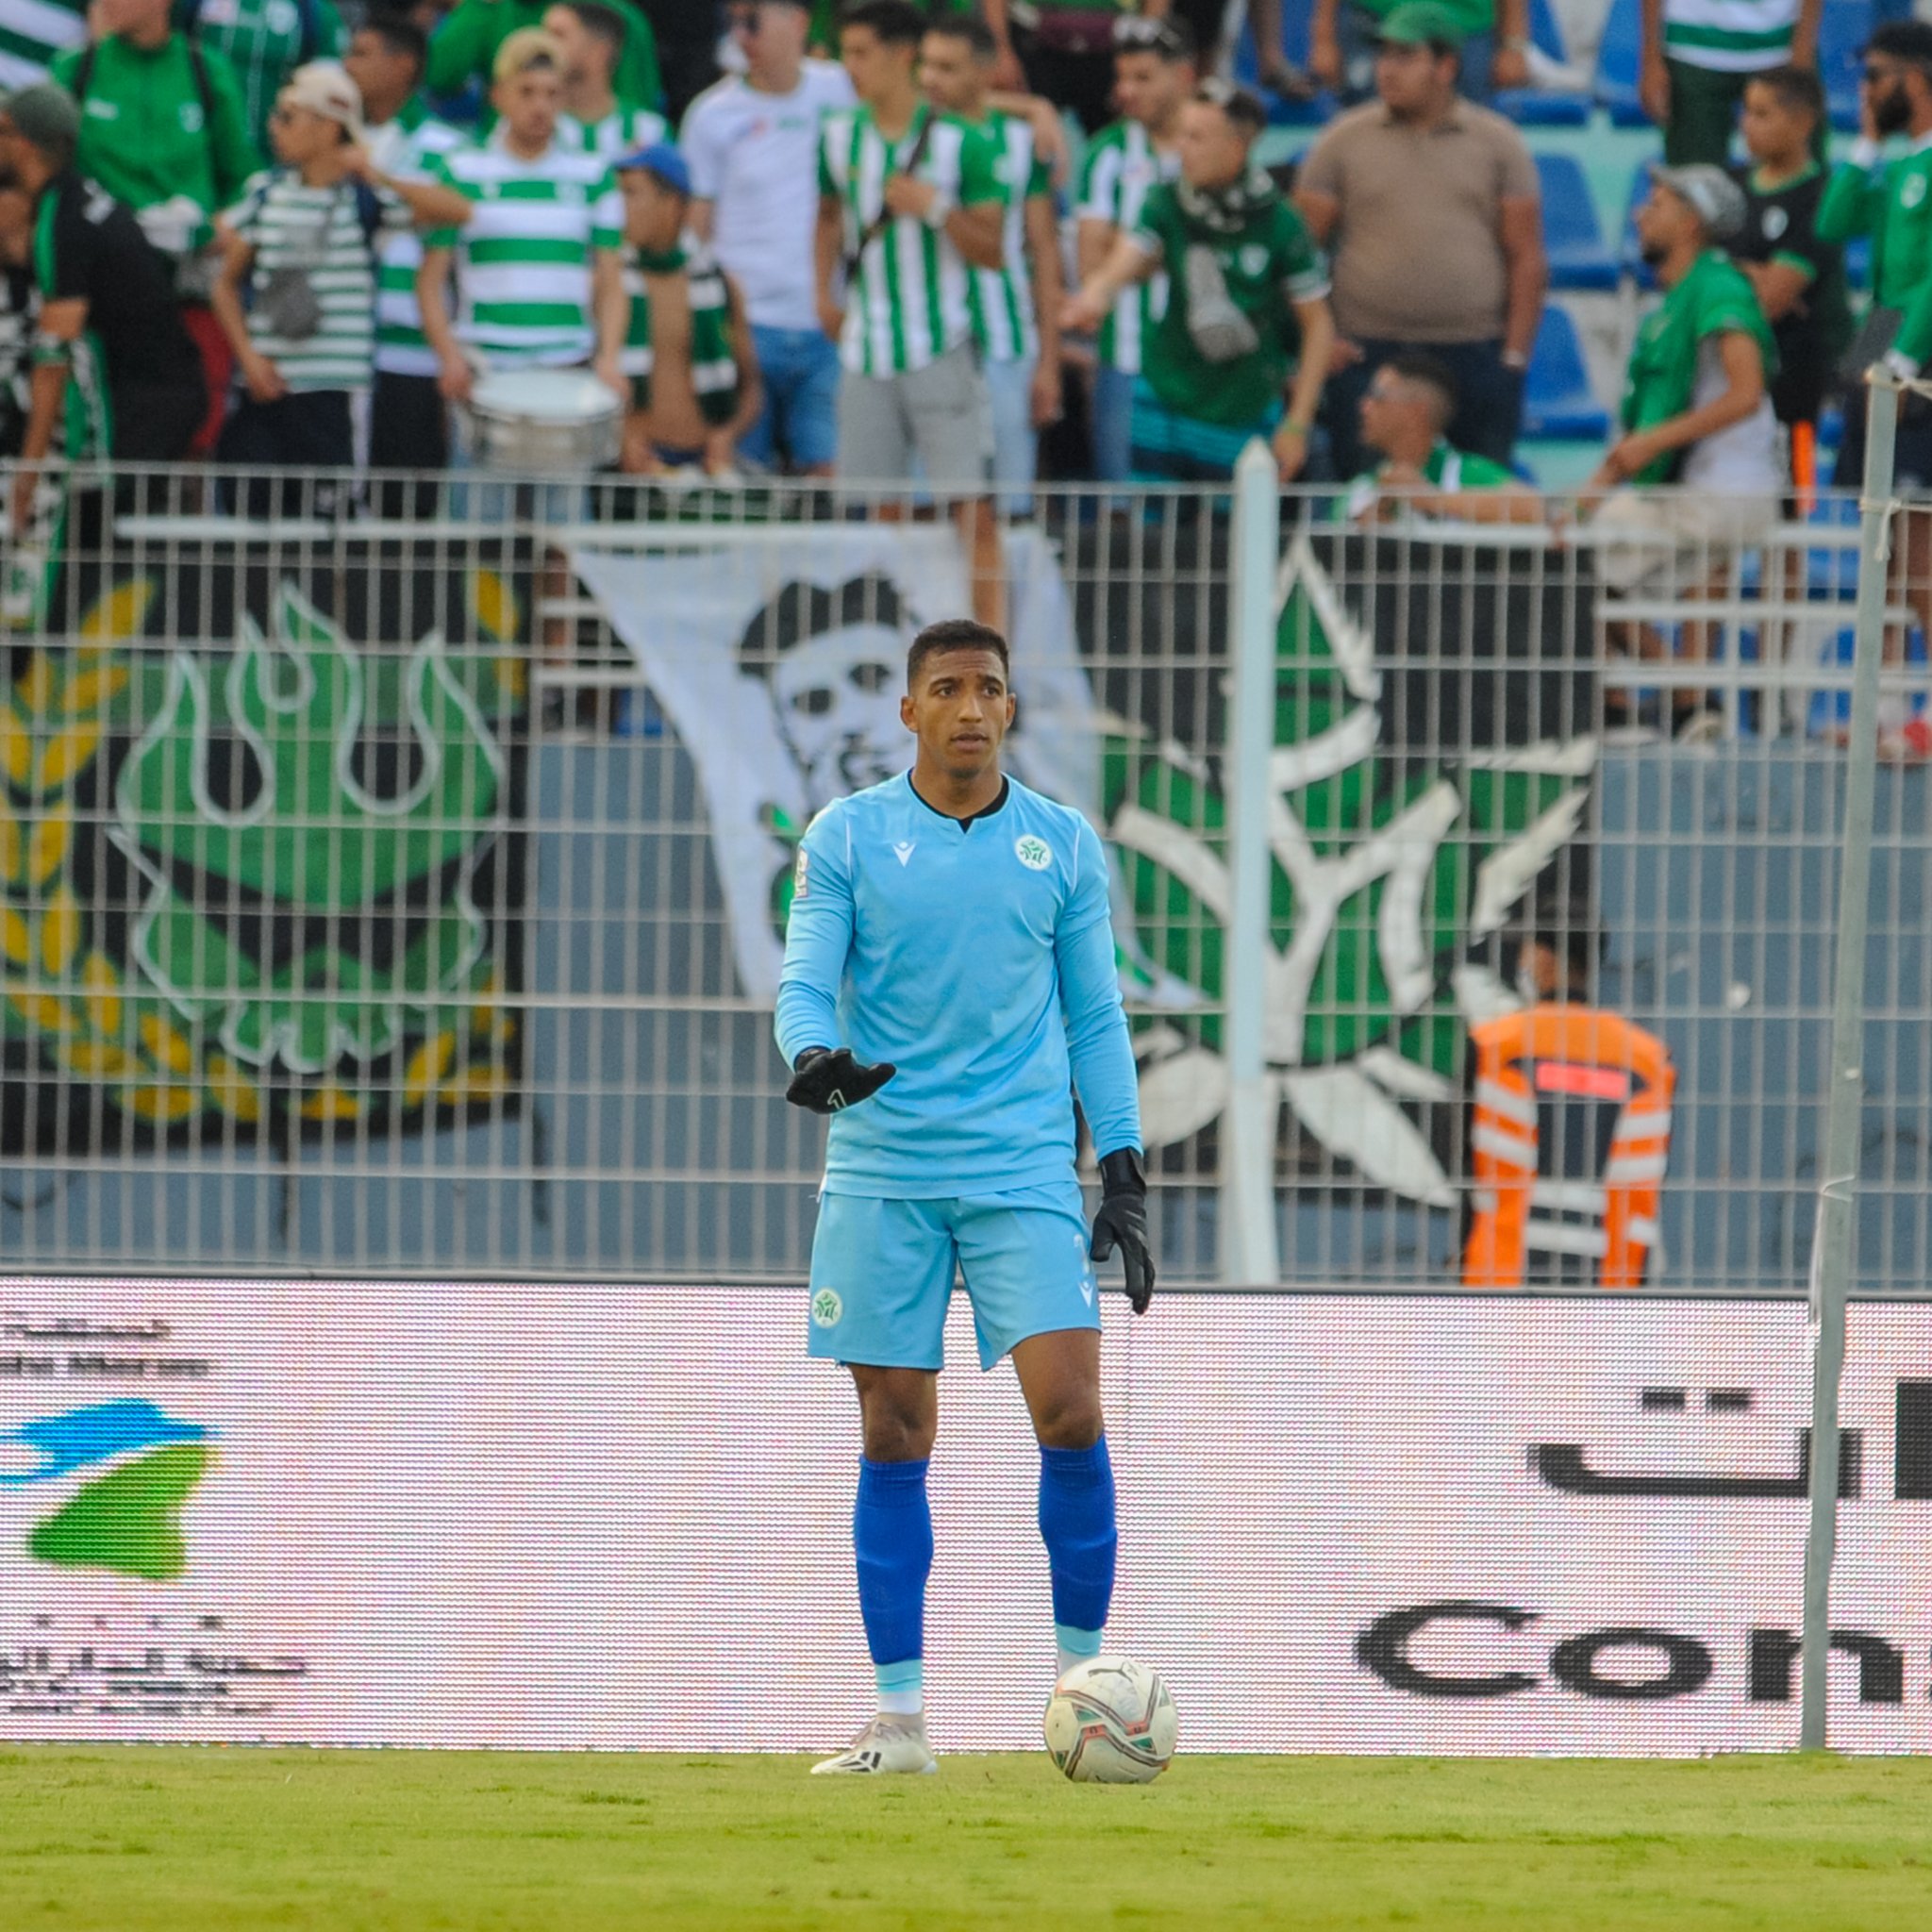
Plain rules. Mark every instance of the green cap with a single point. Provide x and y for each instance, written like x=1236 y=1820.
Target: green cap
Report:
x=1422 y=23
x=47 y=115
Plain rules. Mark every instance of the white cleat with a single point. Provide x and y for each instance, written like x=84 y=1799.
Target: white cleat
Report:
x=888 y=1743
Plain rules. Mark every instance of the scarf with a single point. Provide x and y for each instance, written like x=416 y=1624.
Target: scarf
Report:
x=1218 y=329
x=713 y=367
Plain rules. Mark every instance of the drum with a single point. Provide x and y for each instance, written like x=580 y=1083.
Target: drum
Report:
x=544 y=421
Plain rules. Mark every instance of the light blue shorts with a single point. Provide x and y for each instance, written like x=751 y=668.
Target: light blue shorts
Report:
x=882 y=1273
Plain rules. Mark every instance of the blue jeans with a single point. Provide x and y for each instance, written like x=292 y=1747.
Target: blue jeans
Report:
x=800 y=420
x=1113 y=425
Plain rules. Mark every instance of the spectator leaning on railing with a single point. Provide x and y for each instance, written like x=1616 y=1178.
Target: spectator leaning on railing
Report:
x=264 y=41
x=1154 y=74
x=1406 y=411
x=1247 y=307
x=909 y=203
x=539 y=279
x=753 y=145
x=408 y=421
x=1696 y=411
x=1016 y=307
x=1431 y=212
x=114 y=370
x=464 y=49
x=694 y=375
x=591 y=38
x=297 y=292
x=163 y=129
x=1891 y=200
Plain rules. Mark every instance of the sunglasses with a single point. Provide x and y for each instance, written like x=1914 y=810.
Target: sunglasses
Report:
x=1136 y=33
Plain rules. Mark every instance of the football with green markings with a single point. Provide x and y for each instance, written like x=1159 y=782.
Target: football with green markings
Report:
x=1110 y=1721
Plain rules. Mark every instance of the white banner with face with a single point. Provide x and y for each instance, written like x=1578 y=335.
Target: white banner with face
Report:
x=542 y=1516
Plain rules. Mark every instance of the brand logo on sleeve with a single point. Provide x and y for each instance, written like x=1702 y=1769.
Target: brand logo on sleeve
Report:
x=1035 y=853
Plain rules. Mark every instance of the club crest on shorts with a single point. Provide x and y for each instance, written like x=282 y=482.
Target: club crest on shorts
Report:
x=827 y=1308
x=1035 y=853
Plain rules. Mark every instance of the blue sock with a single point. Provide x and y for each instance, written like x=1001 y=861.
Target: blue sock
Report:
x=891 y=1537
x=1076 y=1522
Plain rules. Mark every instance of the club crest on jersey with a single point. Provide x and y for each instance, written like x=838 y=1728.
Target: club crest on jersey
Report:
x=827 y=1308
x=1035 y=853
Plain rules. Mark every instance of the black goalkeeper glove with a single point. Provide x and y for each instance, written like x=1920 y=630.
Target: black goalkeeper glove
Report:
x=1123 y=1219
x=824 y=1079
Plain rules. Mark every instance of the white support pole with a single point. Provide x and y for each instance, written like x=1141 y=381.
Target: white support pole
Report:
x=1249 y=1251
x=1831 y=1254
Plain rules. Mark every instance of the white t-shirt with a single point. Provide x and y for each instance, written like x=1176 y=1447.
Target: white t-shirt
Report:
x=1742 y=457
x=754 y=156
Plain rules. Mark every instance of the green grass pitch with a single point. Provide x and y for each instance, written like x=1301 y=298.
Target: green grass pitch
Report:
x=214 y=1840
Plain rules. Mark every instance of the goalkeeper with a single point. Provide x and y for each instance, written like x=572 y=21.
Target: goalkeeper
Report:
x=949 y=979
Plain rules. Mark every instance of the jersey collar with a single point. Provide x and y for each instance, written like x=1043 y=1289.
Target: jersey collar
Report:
x=966 y=824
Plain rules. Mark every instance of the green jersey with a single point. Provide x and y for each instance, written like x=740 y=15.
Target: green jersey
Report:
x=1713 y=299
x=909 y=302
x=265 y=41
x=32 y=33
x=1005 y=323
x=462 y=48
x=141 y=133
x=1890 y=201
x=1731 y=36
x=1447 y=468
x=713 y=364
x=1476 y=16
x=1122 y=165
x=618 y=136
x=1223 y=351
x=525 y=256
x=406 y=148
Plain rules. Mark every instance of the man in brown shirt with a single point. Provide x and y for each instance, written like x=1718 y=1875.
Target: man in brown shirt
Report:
x=1429 y=207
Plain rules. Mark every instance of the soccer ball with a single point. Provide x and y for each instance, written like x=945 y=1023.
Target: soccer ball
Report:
x=1110 y=1721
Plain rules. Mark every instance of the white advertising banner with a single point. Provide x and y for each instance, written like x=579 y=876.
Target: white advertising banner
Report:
x=542 y=1516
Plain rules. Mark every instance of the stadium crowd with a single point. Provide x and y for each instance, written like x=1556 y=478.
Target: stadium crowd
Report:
x=930 y=243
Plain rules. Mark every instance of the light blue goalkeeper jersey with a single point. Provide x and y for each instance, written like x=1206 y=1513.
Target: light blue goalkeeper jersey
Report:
x=977 y=957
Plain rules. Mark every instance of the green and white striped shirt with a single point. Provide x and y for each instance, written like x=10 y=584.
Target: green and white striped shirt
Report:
x=1731 y=36
x=31 y=33
x=622 y=132
x=909 y=303
x=318 y=232
x=1122 y=165
x=1004 y=318
x=404 y=147
x=524 y=260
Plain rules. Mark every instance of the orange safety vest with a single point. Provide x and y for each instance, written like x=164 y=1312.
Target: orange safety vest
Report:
x=1533 y=1057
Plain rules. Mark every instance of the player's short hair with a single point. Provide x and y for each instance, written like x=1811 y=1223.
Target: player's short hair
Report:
x=952 y=634
x=895 y=23
x=802 y=611
x=604 y=25
x=1243 y=107
x=970 y=28
x=1797 y=88
x=400 y=35
x=1432 y=373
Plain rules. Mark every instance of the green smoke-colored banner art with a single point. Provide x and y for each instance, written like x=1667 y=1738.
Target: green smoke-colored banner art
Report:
x=1434 y=745
x=260 y=862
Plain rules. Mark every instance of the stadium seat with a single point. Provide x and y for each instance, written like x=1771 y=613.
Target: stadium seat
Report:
x=1573 y=237
x=1247 y=70
x=1535 y=106
x=1617 y=62
x=1844 y=27
x=1633 y=263
x=1559 y=404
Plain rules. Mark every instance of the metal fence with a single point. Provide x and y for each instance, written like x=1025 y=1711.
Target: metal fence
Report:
x=393 y=882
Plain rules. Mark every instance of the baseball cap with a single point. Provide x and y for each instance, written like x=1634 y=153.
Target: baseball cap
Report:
x=324 y=88
x=1718 y=199
x=1422 y=23
x=663 y=160
x=47 y=115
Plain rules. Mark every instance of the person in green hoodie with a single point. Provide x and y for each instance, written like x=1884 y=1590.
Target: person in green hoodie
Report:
x=163 y=129
x=463 y=48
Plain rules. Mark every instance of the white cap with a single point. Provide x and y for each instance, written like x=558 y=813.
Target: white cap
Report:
x=324 y=88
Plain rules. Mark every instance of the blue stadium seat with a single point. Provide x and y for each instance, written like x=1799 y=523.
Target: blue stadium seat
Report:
x=1617 y=63
x=1557 y=402
x=1633 y=264
x=1247 y=70
x=1579 y=258
x=1845 y=27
